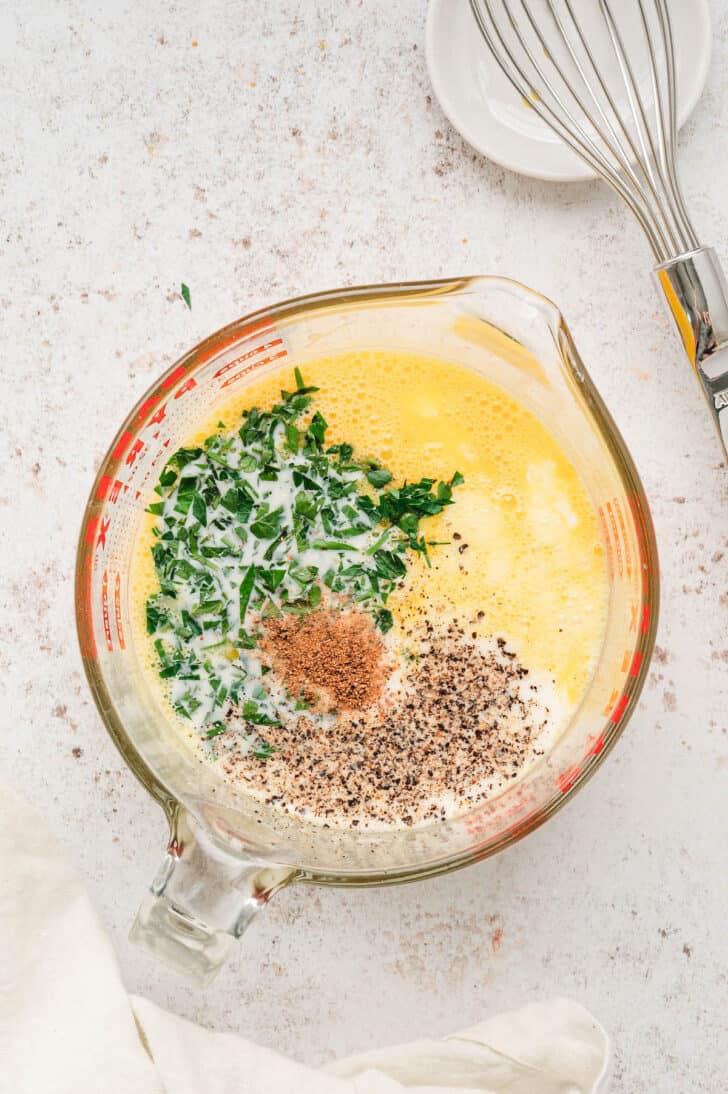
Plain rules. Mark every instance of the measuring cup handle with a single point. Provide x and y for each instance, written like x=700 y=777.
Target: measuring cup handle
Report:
x=201 y=900
x=695 y=289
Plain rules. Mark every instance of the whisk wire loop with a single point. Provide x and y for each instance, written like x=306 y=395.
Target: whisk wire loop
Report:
x=622 y=130
x=670 y=138
x=570 y=131
x=611 y=139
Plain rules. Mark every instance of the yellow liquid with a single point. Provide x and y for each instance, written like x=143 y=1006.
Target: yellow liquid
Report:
x=525 y=560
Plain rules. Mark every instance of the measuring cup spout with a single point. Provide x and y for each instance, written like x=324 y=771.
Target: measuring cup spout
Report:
x=201 y=900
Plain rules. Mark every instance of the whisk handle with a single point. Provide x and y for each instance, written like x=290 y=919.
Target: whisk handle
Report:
x=695 y=289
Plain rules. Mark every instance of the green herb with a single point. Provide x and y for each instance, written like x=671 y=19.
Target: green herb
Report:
x=199 y=509
x=389 y=564
x=216 y=729
x=263 y=750
x=246 y=588
x=156 y=617
x=314 y=596
x=301 y=387
x=377 y=476
x=267 y=525
x=167 y=478
x=384 y=618
x=333 y=545
x=271 y=579
x=293 y=437
x=252 y=713
x=243 y=523
x=317 y=428
x=193 y=627
x=186 y=295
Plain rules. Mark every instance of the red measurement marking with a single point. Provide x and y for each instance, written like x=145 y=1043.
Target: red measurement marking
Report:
x=636 y=662
x=134 y=451
x=103 y=529
x=91 y=527
x=249 y=368
x=610 y=702
x=105 y=610
x=638 y=506
x=477 y=826
x=173 y=377
x=123 y=443
x=237 y=336
x=518 y=806
x=117 y=611
x=159 y=416
x=116 y=490
x=615 y=538
x=567 y=778
x=247 y=356
x=147 y=405
x=188 y=385
x=619 y=709
x=103 y=488
x=595 y=745
x=645 y=618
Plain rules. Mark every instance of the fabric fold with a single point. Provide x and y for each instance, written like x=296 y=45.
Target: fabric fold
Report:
x=68 y=1026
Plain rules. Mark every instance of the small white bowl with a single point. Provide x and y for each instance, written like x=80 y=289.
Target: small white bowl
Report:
x=483 y=106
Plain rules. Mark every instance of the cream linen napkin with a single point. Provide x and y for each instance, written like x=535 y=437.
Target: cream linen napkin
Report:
x=67 y=1025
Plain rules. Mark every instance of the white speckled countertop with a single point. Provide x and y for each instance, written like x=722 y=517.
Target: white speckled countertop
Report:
x=261 y=151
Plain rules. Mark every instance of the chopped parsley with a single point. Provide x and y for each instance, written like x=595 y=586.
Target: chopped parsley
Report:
x=186 y=295
x=263 y=521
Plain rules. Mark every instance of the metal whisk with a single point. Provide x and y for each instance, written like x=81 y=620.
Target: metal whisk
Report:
x=619 y=116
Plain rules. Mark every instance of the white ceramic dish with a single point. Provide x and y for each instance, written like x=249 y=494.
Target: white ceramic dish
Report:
x=481 y=104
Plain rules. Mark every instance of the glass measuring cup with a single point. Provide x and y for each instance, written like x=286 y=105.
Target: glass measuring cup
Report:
x=227 y=855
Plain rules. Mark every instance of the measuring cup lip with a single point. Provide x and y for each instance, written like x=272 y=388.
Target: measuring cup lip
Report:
x=427 y=290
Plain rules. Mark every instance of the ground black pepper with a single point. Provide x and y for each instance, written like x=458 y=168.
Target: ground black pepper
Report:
x=464 y=720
